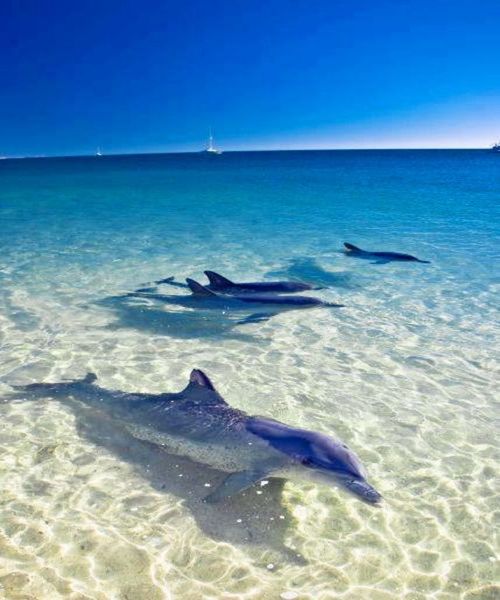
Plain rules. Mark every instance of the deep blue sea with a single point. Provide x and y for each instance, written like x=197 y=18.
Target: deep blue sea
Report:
x=405 y=374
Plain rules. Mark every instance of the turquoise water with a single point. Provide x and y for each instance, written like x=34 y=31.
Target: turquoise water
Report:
x=405 y=374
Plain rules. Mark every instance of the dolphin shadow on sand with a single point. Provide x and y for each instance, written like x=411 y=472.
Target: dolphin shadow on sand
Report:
x=307 y=269
x=250 y=519
x=151 y=317
x=203 y=312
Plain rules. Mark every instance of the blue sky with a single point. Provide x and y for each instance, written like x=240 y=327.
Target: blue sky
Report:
x=151 y=75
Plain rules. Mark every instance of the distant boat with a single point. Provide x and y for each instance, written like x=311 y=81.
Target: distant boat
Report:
x=496 y=147
x=98 y=152
x=211 y=149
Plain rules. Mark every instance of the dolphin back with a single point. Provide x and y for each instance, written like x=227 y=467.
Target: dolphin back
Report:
x=383 y=256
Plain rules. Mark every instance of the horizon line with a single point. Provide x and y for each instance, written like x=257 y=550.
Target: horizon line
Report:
x=202 y=152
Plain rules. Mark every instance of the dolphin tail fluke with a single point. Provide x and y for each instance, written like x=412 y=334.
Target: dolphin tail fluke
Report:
x=218 y=281
x=171 y=281
x=352 y=247
x=89 y=378
x=198 y=289
x=166 y=280
x=147 y=288
x=36 y=390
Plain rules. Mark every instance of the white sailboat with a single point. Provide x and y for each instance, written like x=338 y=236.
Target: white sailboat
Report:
x=211 y=149
x=98 y=151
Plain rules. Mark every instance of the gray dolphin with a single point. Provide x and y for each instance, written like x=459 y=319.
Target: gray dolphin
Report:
x=219 y=283
x=380 y=257
x=198 y=423
x=295 y=301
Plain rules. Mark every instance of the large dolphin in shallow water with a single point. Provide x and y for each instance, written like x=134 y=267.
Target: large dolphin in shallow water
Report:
x=380 y=257
x=198 y=423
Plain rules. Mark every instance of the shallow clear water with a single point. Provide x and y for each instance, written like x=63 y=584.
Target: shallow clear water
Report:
x=405 y=374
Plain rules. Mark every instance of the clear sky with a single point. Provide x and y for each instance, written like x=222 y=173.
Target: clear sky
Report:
x=153 y=75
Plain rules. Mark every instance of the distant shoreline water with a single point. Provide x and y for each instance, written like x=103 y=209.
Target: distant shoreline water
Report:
x=200 y=152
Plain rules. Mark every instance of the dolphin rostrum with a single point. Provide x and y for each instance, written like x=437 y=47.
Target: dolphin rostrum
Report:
x=198 y=423
x=380 y=257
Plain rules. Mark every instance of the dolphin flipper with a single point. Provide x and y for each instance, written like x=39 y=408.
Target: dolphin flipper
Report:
x=236 y=483
x=256 y=318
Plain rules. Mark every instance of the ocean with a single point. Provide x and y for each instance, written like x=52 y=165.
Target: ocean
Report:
x=405 y=374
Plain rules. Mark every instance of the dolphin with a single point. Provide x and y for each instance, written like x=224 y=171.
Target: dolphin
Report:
x=197 y=423
x=380 y=257
x=219 y=283
x=268 y=298
x=203 y=298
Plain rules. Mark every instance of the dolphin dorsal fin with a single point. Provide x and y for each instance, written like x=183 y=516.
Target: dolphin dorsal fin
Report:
x=218 y=281
x=351 y=246
x=198 y=289
x=197 y=376
x=201 y=390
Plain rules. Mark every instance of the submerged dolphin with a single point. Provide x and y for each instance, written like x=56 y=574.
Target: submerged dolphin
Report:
x=203 y=298
x=219 y=283
x=201 y=290
x=198 y=423
x=380 y=257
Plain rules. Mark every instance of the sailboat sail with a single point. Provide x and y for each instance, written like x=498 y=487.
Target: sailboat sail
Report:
x=211 y=148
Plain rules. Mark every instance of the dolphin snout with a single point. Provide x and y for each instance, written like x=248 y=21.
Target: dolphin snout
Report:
x=364 y=490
